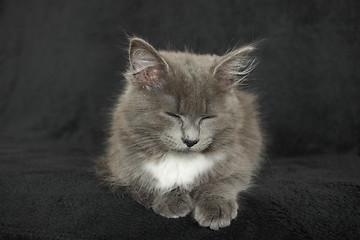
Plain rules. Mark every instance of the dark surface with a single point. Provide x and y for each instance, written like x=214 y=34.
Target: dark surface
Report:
x=59 y=65
x=52 y=193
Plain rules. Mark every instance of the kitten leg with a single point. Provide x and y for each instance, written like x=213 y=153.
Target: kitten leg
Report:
x=140 y=195
x=216 y=203
x=173 y=204
x=120 y=188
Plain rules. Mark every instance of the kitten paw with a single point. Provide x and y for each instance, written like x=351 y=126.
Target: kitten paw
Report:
x=173 y=204
x=216 y=213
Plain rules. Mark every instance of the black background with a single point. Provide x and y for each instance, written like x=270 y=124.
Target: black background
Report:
x=60 y=73
x=61 y=60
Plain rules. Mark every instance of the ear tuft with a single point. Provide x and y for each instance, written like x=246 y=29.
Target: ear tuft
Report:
x=235 y=66
x=147 y=66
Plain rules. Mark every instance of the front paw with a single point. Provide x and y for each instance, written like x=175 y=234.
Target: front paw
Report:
x=173 y=204
x=215 y=213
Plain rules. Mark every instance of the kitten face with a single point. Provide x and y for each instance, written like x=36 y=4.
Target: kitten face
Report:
x=183 y=124
x=186 y=132
x=183 y=102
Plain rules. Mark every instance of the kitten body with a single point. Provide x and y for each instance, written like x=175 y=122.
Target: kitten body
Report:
x=183 y=138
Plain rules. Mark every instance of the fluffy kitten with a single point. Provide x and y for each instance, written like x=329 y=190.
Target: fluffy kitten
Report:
x=183 y=138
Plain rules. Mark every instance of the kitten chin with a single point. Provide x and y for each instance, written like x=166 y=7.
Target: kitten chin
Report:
x=183 y=138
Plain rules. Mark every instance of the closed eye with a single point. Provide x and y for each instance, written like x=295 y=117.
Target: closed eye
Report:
x=206 y=117
x=173 y=115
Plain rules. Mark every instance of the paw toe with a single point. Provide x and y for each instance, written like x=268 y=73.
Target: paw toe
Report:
x=214 y=225
x=224 y=223
x=215 y=215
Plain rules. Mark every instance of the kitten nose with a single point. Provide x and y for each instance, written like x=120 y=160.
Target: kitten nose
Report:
x=190 y=143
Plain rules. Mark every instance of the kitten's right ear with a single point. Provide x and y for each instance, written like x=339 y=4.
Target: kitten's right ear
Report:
x=147 y=66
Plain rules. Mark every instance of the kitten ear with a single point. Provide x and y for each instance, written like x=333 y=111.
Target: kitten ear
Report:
x=234 y=66
x=147 y=66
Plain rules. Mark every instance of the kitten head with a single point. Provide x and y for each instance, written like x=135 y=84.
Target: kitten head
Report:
x=184 y=102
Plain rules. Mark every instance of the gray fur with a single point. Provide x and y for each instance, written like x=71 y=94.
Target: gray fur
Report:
x=171 y=97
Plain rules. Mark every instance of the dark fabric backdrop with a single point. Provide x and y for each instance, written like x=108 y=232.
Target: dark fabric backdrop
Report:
x=60 y=63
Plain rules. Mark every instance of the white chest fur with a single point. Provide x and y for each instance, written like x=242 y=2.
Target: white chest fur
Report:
x=176 y=169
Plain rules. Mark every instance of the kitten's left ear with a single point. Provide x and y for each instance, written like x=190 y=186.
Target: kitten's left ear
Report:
x=147 y=65
x=234 y=66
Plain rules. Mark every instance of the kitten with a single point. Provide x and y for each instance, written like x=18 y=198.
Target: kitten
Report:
x=183 y=138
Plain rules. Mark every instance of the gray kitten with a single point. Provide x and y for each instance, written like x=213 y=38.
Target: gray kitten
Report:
x=183 y=138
